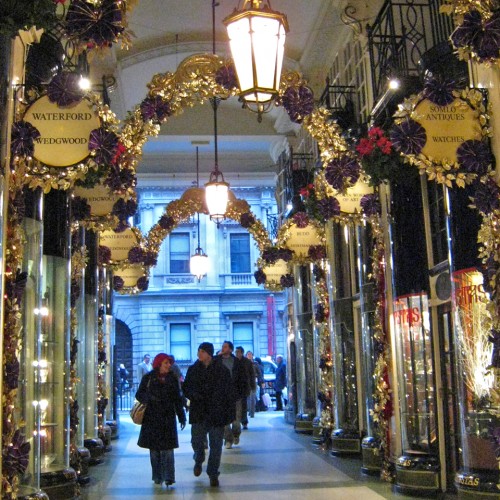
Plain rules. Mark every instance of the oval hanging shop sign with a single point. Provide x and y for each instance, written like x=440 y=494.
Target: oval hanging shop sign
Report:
x=274 y=273
x=100 y=198
x=300 y=239
x=64 y=132
x=131 y=275
x=447 y=127
x=119 y=243
x=350 y=201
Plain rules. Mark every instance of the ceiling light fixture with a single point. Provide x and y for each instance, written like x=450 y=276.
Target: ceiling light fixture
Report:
x=257 y=39
x=198 y=264
x=216 y=189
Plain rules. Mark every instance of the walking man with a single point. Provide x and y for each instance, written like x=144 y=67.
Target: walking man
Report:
x=209 y=388
x=251 y=385
x=144 y=367
x=280 y=382
x=241 y=388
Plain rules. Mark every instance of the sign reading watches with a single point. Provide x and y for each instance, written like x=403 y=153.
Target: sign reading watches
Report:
x=447 y=127
x=64 y=132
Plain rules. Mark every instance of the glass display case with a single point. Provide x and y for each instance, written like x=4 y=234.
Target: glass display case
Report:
x=345 y=437
x=304 y=343
x=479 y=415
x=45 y=372
x=414 y=350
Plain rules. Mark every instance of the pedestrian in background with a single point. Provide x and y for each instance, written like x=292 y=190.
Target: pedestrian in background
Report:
x=159 y=391
x=250 y=382
x=256 y=377
x=280 y=382
x=241 y=386
x=144 y=367
x=261 y=384
x=209 y=388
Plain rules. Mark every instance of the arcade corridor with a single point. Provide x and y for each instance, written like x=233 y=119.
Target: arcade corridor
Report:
x=271 y=462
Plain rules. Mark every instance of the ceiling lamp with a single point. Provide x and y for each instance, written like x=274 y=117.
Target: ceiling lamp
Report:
x=257 y=39
x=198 y=264
x=216 y=189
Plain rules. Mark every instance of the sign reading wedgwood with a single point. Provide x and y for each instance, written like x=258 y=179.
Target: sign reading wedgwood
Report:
x=100 y=199
x=64 y=132
x=118 y=243
x=447 y=127
x=300 y=239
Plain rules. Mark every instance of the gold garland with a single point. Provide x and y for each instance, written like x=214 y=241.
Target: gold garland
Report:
x=382 y=394
x=326 y=385
x=13 y=329
x=445 y=172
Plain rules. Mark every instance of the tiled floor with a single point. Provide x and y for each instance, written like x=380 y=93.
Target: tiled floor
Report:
x=271 y=462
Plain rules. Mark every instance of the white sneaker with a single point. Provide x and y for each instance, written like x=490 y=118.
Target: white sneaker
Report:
x=229 y=445
x=236 y=440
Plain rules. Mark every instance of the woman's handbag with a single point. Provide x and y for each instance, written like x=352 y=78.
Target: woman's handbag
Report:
x=137 y=413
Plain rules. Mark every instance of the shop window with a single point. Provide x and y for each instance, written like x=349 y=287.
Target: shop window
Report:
x=179 y=253
x=180 y=341
x=240 y=253
x=243 y=335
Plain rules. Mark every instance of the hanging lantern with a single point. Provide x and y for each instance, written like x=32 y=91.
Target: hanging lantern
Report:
x=199 y=264
x=216 y=196
x=257 y=39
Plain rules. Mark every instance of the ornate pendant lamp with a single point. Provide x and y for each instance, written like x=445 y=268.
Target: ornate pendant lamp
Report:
x=257 y=39
x=198 y=264
x=216 y=189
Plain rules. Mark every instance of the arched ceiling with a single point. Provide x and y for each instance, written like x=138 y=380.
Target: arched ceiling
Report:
x=167 y=31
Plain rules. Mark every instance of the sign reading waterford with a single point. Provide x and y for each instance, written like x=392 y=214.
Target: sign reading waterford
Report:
x=64 y=132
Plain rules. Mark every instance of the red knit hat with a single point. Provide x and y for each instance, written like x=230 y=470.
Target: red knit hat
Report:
x=159 y=358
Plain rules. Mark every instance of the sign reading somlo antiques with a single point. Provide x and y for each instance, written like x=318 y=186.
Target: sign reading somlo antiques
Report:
x=447 y=127
x=118 y=243
x=64 y=132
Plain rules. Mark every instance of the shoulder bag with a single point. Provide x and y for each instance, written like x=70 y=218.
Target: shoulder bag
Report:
x=137 y=411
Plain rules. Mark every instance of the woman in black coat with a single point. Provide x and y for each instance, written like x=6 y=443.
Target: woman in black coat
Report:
x=159 y=390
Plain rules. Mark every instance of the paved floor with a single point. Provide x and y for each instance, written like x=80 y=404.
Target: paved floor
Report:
x=272 y=461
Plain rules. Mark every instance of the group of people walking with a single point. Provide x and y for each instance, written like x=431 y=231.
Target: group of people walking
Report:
x=219 y=391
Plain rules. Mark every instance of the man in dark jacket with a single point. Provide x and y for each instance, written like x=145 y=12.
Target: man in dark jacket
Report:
x=280 y=382
x=241 y=387
x=209 y=388
x=251 y=382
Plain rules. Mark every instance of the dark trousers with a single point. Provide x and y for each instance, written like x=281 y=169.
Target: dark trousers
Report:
x=215 y=439
x=244 y=411
x=163 y=465
x=279 y=400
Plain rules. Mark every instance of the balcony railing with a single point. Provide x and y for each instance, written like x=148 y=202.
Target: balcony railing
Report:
x=400 y=36
x=238 y=280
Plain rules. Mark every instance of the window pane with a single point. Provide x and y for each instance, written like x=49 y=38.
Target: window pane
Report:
x=243 y=335
x=179 y=253
x=240 y=253
x=180 y=341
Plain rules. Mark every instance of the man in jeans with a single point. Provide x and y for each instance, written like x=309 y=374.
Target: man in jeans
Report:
x=241 y=385
x=209 y=388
